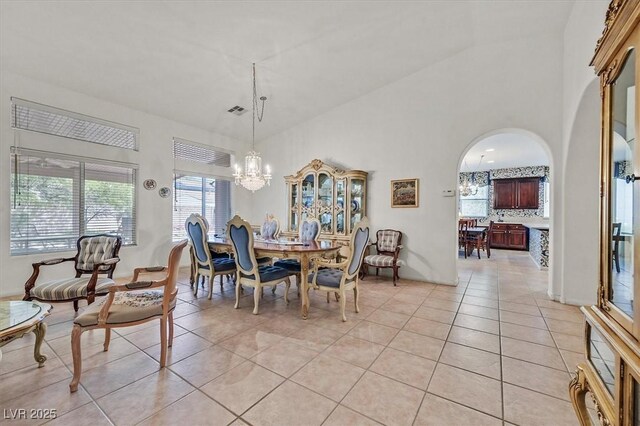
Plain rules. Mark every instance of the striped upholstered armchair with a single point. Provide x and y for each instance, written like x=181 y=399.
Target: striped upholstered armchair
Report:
x=97 y=255
x=388 y=246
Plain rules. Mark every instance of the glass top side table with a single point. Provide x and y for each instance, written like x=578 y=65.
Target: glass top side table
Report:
x=18 y=318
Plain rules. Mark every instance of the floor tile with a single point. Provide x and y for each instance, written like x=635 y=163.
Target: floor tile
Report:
x=567 y=327
x=139 y=400
x=436 y=411
x=384 y=400
x=206 y=365
x=251 y=342
x=79 y=416
x=528 y=334
x=399 y=307
x=290 y=404
x=445 y=305
x=475 y=339
x=470 y=389
x=328 y=376
x=376 y=333
x=471 y=359
x=525 y=407
x=183 y=346
x=243 y=386
x=427 y=328
x=572 y=359
x=388 y=318
x=343 y=416
x=284 y=358
x=569 y=342
x=523 y=319
x=32 y=378
x=538 y=354
x=480 y=301
x=404 y=367
x=418 y=344
x=356 y=351
x=477 y=323
x=519 y=308
x=195 y=408
x=536 y=377
x=107 y=378
x=434 y=314
x=314 y=338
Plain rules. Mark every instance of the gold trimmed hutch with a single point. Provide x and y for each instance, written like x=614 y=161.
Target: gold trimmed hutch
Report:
x=610 y=374
x=337 y=198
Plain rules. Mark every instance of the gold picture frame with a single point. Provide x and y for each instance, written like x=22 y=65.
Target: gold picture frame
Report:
x=405 y=193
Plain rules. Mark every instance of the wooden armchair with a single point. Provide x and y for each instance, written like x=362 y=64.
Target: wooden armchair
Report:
x=97 y=255
x=388 y=246
x=339 y=277
x=125 y=306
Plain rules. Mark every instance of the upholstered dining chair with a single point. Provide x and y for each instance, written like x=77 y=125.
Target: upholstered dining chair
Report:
x=309 y=231
x=340 y=277
x=205 y=264
x=131 y=304
x=249 y=272
x=388 y=245
x=96 y=255
x=192 y=254
x=270 y=229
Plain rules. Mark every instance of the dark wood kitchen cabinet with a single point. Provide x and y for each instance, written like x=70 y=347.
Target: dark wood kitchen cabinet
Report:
x=519 y=193
x=509 y=236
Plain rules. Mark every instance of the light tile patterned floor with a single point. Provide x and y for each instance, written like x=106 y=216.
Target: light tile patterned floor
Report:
x=493 y=350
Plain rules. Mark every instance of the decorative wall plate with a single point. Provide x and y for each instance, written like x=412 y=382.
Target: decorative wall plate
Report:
x=164 y=192
x=149 y=184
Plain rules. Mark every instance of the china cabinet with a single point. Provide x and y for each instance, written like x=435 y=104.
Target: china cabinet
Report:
x=610 y=372
x=337 y=198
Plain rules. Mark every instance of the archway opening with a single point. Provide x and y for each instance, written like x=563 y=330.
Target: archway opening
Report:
x=504 y=215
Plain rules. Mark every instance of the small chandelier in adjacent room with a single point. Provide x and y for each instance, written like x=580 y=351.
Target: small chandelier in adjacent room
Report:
x=470 y=188
x=253 y=178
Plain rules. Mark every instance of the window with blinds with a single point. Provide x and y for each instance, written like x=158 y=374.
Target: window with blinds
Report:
x=55 y=199
x=191 y=151
x=207 y=196
x=27 y=115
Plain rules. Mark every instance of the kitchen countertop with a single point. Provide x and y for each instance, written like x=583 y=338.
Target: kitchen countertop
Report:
x=542 y=226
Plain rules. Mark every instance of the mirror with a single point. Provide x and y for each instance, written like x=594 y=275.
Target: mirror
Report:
x=602 y=358
x=340 y=200
x=623 y=189
x=325 y=202
x=294 y=208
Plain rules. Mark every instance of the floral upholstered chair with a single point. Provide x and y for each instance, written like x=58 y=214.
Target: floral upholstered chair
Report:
x=249 y=272
x=131 y=304
x=309 y=231
x=204 y=264
x=388 y=246
x=340 y=277
x=97 y=255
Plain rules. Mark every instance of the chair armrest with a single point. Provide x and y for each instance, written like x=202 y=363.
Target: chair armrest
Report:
x=317 y=262
x=53 y=261
x=31 y=282
x=108 y=262
x=138 y=271
x=399 y=246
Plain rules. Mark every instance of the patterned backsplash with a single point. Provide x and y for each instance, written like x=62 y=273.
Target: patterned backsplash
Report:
x=485 y=178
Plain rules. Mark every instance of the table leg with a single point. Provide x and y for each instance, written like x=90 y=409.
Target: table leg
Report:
x=39 y=330
x=304 y=285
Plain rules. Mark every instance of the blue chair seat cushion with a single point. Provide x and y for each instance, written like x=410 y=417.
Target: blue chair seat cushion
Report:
x=224 y=264
x=269 y=273
x=263 y=260
x=289 y=264
x=327 y=277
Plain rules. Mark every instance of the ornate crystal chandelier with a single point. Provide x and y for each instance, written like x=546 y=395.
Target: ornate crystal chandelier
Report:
x=253 y=178
x=470 y=188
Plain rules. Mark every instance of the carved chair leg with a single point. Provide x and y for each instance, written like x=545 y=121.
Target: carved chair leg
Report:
x=221 y=282
x=257 y=294
x=163 y=342
x=75 y=305
x=107 y=338
x=40 y=330
x=395 y=274
x=343 y=304
x=211 y=281
x=170 y=329
x=336 y=296
x=273 y=290
x=76 y=352
x=328 y=295
x=195 y=287
x=377 y=271
x=355 y=298
x=287 y=285
x=238 y=290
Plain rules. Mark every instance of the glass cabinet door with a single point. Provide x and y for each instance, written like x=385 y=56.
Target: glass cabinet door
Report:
x=308 y=198
x=603 y=359
x=325 y=202
x=624 y=195
x=293 y=203
x=341 y=198
x=357 y=202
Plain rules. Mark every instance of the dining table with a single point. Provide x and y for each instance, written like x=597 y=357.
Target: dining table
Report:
x=284 y=249
x=477 y=233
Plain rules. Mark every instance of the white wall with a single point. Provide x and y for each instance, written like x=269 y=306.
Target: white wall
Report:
x=580 y=137
x=155 y=159
x=419 y=127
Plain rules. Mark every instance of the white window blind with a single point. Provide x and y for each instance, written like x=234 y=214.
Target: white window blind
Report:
x=36 y=117
x=475 y=205
x=191 y=151
x=55 y=199
x=207 y=196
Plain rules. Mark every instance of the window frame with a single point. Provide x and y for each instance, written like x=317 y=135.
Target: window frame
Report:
x=471 y=198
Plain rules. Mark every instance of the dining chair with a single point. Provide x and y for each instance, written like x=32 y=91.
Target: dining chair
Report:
x=615 y=253
x=388 y=245
x=338 y=277
x=205 y=264
x=463 y=236
x=96 y=255
x=270 y=229
x=309 y=230
x=248 y=272
x=131 y=304
x=192 y=254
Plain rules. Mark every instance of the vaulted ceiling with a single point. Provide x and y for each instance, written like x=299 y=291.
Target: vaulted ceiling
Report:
x=191 y=60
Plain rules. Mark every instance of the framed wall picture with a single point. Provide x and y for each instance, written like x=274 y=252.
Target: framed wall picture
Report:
x=404 y=193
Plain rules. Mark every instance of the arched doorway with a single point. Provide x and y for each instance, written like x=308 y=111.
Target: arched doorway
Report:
x=506 y=177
